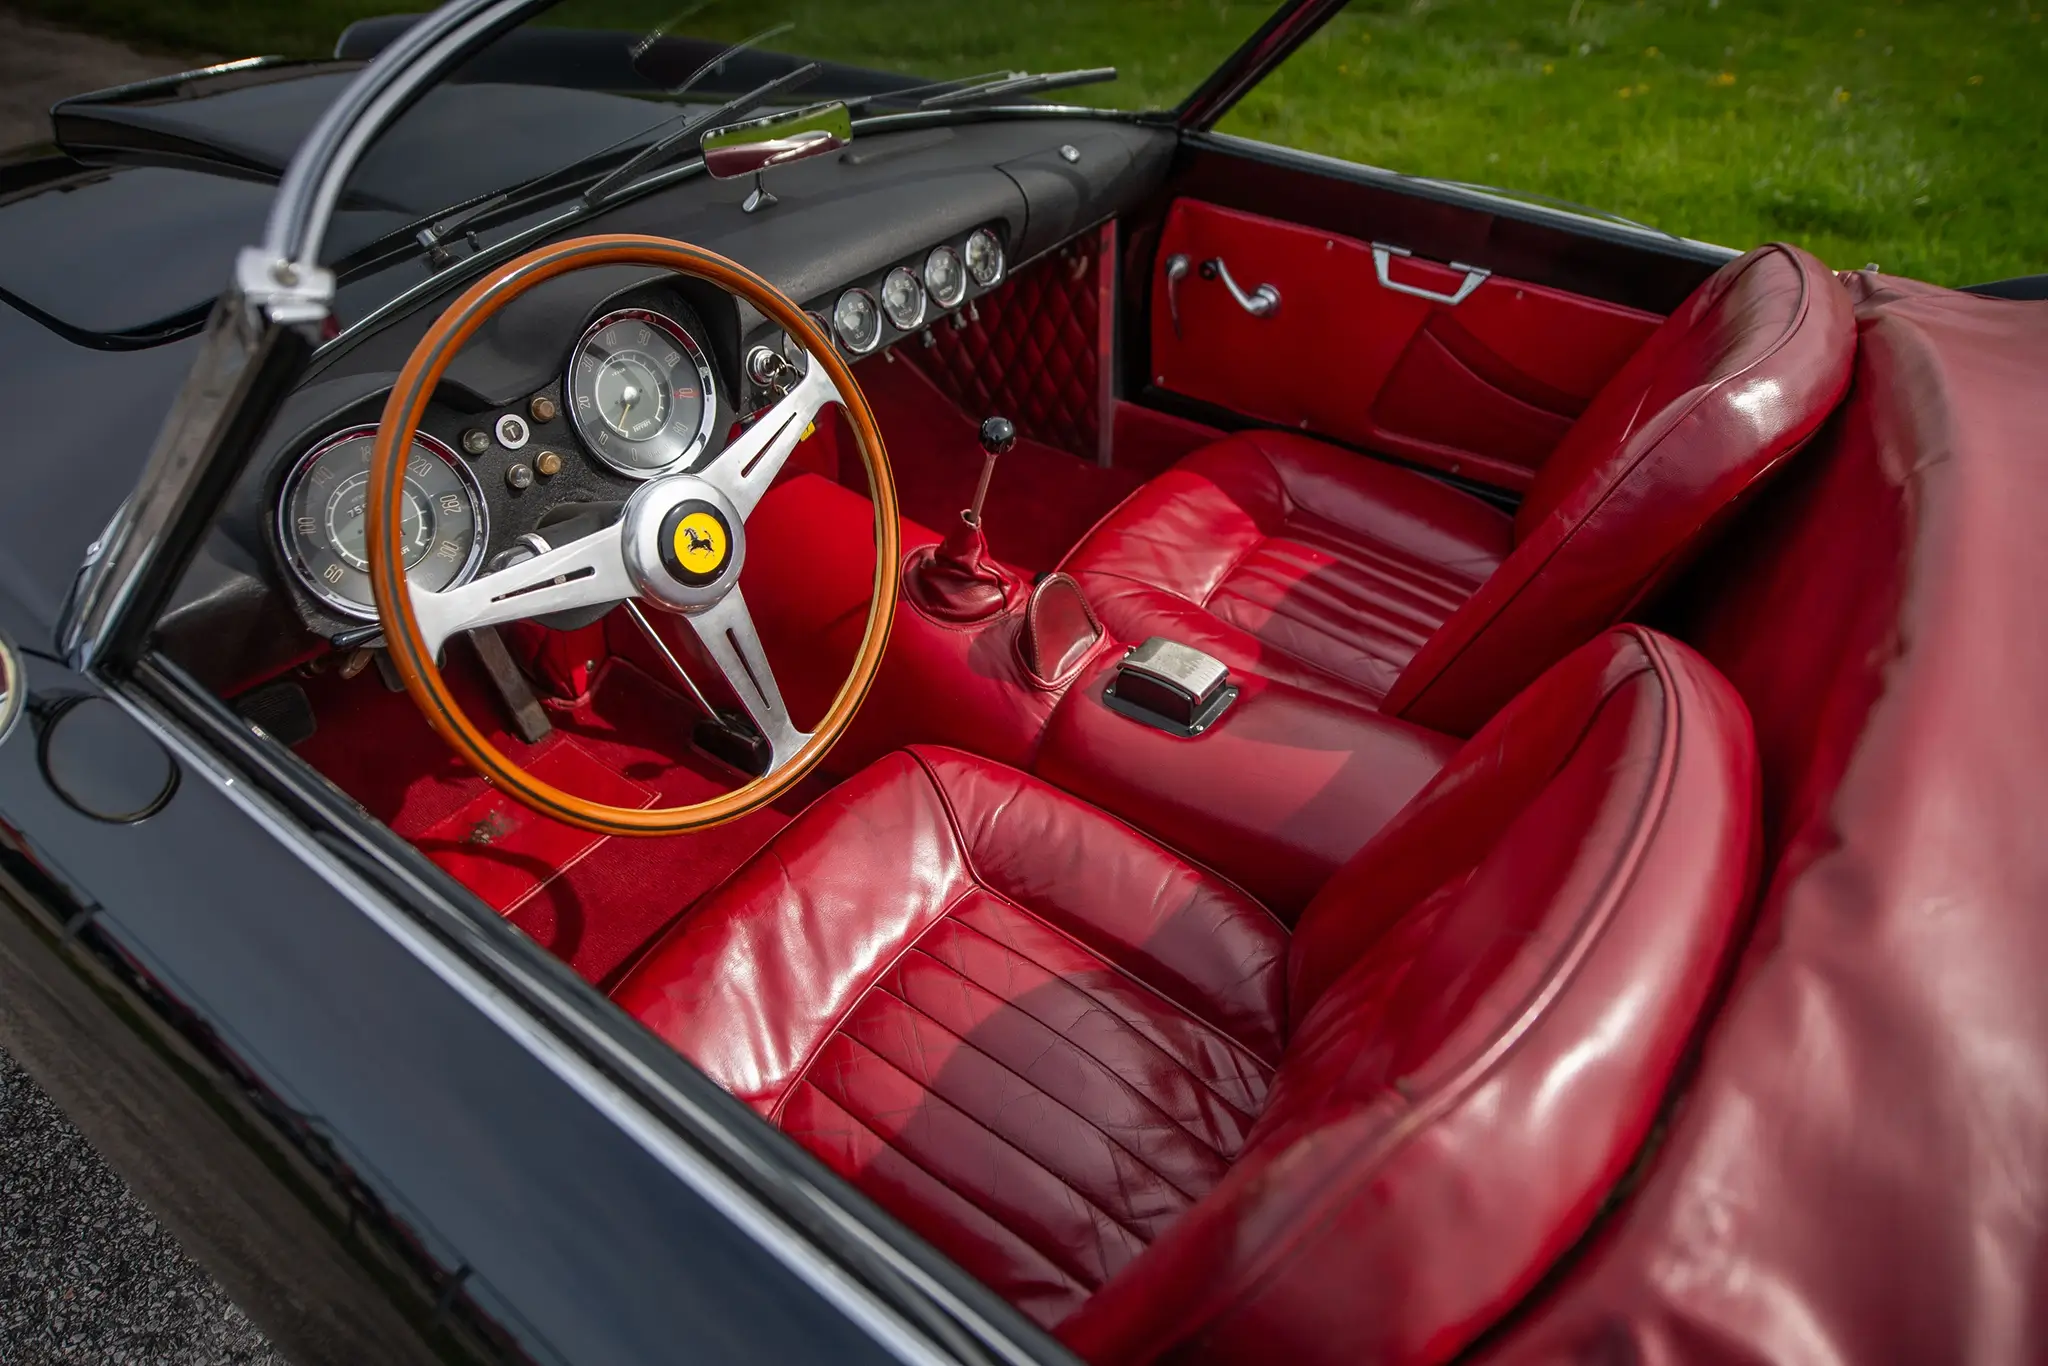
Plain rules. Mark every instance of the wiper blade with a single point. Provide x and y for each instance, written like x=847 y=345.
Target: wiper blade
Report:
x=1020 y=83
x=732 y=108
x=436 y=235
x=912 y=94
x=717 y=63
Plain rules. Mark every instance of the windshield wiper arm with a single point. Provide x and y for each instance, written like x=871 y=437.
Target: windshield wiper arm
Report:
x=737 y=105
x=1021 y=83
x=435 y=236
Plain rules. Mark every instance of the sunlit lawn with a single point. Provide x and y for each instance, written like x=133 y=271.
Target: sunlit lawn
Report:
x=1904 y=132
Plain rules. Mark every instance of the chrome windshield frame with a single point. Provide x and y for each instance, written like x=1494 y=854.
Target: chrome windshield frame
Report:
x=264 y=325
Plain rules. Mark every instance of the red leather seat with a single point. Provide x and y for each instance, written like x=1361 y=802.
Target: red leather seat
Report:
x=1114 y=1087
x=1288 y=558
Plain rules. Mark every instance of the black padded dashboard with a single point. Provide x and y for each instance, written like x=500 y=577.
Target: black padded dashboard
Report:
x=841 y=221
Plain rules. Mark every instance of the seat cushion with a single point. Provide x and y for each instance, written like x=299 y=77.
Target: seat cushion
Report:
x=1032 y=1034
x=1719 y=397
x=1291 y=559
x=1488 y=1007
x=1288 y=558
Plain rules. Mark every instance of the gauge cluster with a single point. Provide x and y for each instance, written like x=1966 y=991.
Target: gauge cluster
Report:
x=636 y=392
x=916 y=294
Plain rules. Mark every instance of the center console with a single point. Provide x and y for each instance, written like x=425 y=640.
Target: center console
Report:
x=1267 y=784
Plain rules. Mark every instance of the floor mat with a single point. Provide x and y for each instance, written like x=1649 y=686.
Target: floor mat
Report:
x=591 y=901
x=1041 y=502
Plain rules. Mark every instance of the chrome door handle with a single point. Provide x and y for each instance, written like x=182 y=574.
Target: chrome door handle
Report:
x=1262 y=302
x=1176 y=271
x=1382 y=254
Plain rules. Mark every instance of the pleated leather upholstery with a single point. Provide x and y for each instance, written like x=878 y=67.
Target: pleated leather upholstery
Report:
x=1109 y=1083
x=1033 y=1033
x=1293 y=559
x=1290 y=559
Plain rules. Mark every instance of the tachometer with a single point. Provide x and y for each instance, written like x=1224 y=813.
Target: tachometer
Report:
x=903 y=299
x=641 y=393
x=984 y=257
x=945 y=277
x=321 y=519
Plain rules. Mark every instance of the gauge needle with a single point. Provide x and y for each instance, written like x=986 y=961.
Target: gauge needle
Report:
x=627 y=398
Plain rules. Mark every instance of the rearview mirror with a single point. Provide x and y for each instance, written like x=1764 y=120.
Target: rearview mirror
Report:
x=744 y=149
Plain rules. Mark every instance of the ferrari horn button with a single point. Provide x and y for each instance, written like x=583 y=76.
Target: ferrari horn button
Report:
x=696 y=543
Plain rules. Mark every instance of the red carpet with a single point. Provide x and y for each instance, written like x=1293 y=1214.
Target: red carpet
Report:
x=616 y=893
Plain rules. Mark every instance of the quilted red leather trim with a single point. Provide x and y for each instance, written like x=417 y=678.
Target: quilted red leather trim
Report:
x=1031 y=350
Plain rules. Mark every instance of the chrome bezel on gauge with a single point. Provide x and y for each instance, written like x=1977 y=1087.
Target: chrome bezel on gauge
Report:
x=858 y=348
x=967 y=258
x=937 y=294
x=675 y=448
x=287 y=541
x=911 y=321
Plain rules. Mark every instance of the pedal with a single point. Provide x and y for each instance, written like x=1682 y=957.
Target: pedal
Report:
x=281 y=710
x=732 y=739
x=529 y=721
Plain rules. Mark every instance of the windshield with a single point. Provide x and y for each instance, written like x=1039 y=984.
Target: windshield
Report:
x=589 y=99
x=1161 y=49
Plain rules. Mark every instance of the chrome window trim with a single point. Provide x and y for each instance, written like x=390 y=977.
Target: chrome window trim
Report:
x=274 y=289
x=1473 y=196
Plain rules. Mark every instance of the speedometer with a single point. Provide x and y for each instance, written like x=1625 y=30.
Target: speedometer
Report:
x=641 y=393
x=321 y=519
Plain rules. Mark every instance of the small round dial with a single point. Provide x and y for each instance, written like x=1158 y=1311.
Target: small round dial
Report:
x=903 y=299
x=641 y=393
x=323 y=526
x=945 y=277
x=984 y=257
x=858 y=321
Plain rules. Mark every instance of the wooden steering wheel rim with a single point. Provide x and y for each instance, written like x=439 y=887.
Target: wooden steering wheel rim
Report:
x=407 y=406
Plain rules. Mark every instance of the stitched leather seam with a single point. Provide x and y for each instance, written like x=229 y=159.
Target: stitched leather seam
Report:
x=1791 y=330
x=1482 y=1062
x=1135 y=1026
x=1121 y=971
x=803 y=1069
x=1349 y=685
x=1061 y=1181
x=1369 y=555
x=1090 y=1125
x=1085 y=1284
x=1096 y=813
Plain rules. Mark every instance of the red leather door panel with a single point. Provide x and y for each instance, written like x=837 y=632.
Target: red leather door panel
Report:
x=1483 y=388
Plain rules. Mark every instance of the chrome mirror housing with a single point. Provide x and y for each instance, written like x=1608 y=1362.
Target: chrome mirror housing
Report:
x=744 y=149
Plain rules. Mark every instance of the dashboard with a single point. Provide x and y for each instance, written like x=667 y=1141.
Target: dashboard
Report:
x=598 y=380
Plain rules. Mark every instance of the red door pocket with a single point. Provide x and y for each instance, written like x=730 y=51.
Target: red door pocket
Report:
x=1483 y=388
x=1489 y=421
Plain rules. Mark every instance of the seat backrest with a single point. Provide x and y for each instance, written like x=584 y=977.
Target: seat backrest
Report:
x=1486 y=1006
x=1730 y=385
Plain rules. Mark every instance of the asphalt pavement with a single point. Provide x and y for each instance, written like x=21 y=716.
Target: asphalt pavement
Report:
x=87 y=1276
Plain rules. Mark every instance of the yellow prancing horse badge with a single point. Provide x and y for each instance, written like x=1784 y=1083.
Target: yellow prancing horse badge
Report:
x=700 y=544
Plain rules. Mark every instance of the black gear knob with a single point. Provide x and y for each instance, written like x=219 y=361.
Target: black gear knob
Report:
x=998 y=435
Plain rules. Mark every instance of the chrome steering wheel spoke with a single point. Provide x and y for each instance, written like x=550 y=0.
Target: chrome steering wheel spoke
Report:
x=745 y=469
x=586 y=572
x=727 y=631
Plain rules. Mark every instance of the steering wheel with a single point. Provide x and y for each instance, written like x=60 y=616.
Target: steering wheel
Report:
x=678 y=545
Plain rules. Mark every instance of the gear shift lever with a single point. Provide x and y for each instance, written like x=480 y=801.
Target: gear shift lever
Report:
x=957 y=580
x=998 y=438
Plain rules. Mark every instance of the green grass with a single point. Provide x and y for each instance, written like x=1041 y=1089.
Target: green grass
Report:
x=1905 y=132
